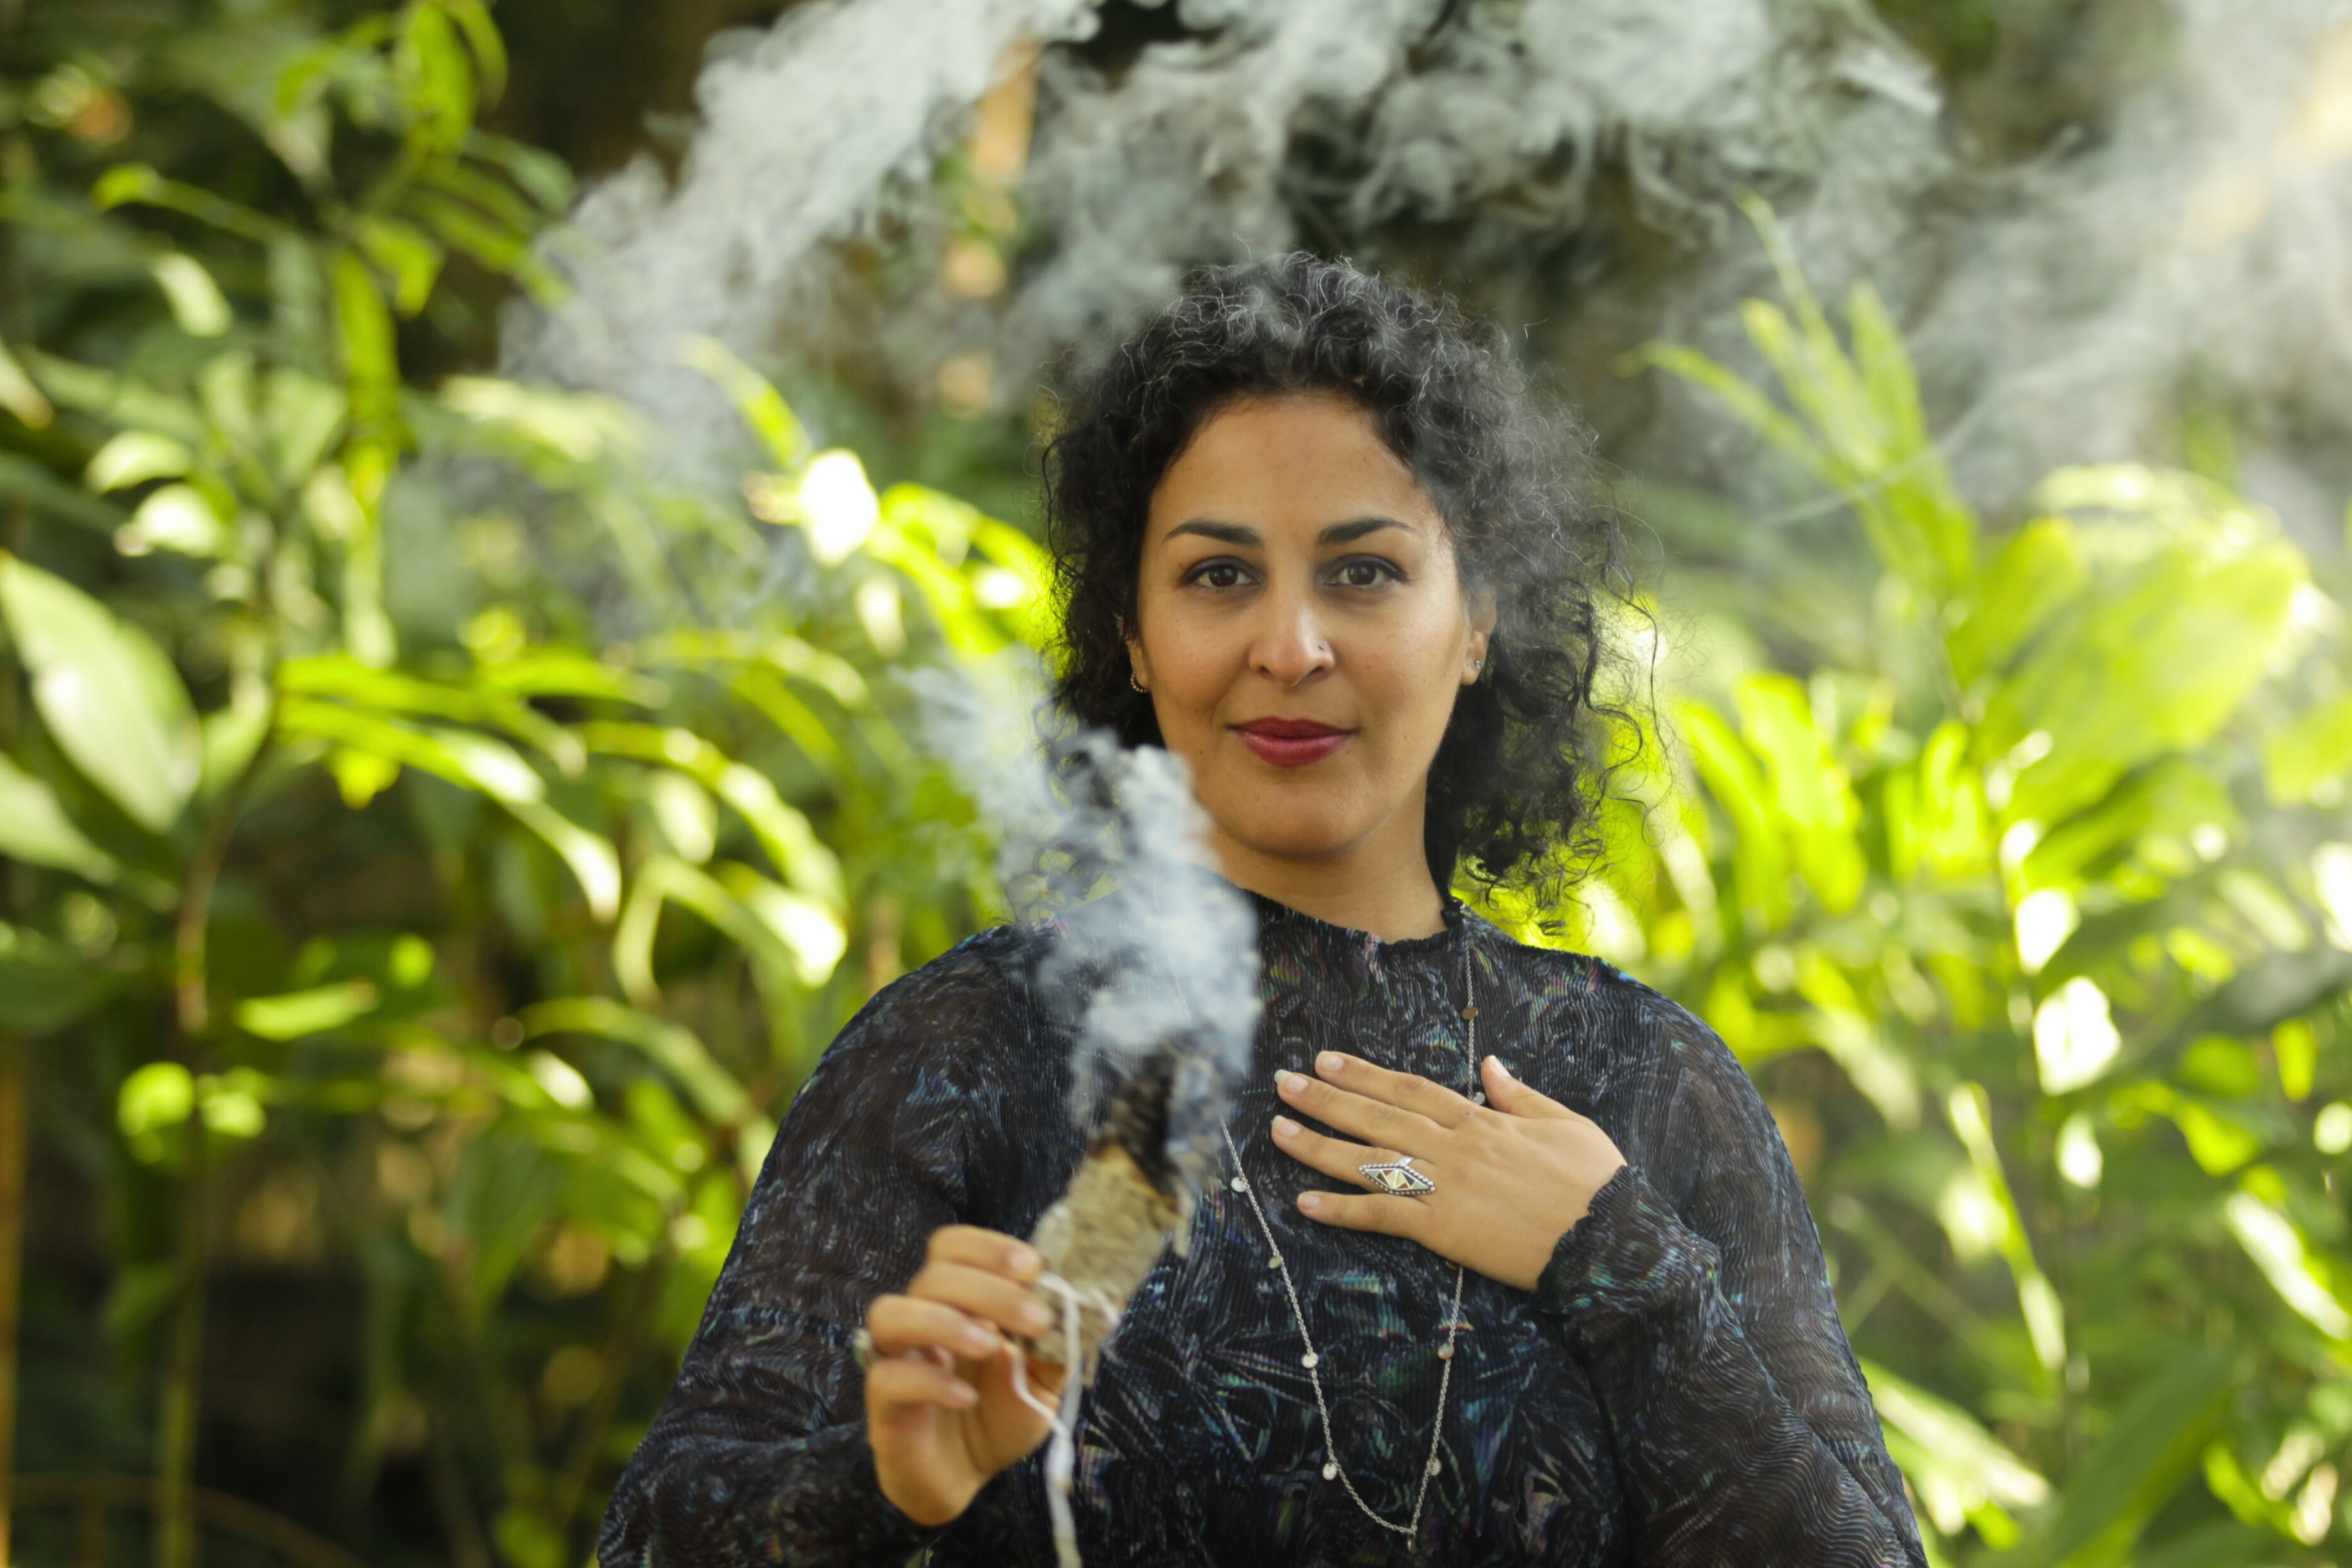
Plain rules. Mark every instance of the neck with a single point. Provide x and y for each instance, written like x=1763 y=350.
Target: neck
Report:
x=1381 y=885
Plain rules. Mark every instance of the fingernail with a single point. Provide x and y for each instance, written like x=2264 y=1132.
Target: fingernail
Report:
x=1036 y=1319
x=1283 y=1127
x=1501 y=1068
x=980 y=1341
x=1023 y=1261
x=1310 y=1202
x=962 y=1394
x=1287 y=1082
x=1329 y=1061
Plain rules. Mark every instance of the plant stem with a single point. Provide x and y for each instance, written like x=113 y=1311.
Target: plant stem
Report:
x=14 y=1153
x=183 y=1383
x=175 y=1438
x=12 y=1242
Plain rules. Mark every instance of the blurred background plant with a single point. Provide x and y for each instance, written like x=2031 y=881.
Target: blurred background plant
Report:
x=440 y=837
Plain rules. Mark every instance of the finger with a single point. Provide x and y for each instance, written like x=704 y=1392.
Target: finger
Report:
x=1332 y=1156
x=1376 y=1122
x=1509 y=1095
x=899 y=1386
x=1406 y=1091
x=990 y=1249
x=898 y=1324
x=1383 y=1216
x=1044 y=1377
x=985 y=1294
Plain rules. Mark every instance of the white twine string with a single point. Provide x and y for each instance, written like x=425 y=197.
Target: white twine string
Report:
x=1062 y=1453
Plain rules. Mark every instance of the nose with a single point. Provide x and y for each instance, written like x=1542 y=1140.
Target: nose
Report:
x=1290 y=646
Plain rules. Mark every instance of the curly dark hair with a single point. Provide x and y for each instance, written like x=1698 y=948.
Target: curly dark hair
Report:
x=1523 y=767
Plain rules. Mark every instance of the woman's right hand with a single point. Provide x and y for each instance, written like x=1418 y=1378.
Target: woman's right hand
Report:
x=940 y=1410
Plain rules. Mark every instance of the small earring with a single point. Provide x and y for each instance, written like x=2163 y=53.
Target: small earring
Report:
x=1138 y=684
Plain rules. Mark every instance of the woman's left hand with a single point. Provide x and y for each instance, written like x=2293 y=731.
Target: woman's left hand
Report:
x=1513 y=1175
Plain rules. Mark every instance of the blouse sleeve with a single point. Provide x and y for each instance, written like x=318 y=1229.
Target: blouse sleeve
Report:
x=760 y=1456
x=1744 y=1431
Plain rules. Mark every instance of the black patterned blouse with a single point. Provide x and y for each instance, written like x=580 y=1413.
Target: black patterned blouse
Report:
x=1676 y=1390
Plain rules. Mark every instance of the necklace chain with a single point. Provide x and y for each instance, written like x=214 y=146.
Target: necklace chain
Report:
x=1312 y=1360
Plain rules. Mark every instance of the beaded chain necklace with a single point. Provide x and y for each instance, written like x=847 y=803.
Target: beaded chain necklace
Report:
x=1312 y=1359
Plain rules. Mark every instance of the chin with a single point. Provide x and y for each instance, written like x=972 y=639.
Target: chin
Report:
x=1299 y=831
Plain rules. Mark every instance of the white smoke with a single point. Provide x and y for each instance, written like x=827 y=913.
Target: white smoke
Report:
x=1325 y=121
x=1279 y=122
x=1567 y=163
x=799 y=133
x=1152 y=950
x=2207 y=242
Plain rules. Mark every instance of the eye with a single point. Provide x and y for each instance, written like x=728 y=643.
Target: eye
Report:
x=1217 y=574
x=1365 y=572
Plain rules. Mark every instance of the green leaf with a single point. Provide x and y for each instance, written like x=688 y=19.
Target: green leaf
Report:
x=2314 y=748
x=671 y=1047
x=313 y=1012
x=2157 y=662
x=482 y=37
x=300 y=419
x=591 y=857
x=755 y=397
x=369 y=357
x=23 y=479
x=2038 y=570
x=2284 y=1256
x=137 y=183
x=1736 y=780
x=575 y=427
x=119 y=399
x=19 y=397
x=1815 y=804
x=44 y=986
x=34 y=829
x=133 y=458
x=808 y=928
x=196 y=299
x=408 y=253
x=2222 y=1545
x=474 y=761
x=109 y=697
x=506 y=1190
x=437 y=77
x=178 y=518
x=1956 y=1466
x=2152 y=1442
x=154 y=1097
x=545 y=178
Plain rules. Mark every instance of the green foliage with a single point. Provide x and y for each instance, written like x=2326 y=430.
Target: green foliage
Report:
x=496 y=913
x=2031 y=914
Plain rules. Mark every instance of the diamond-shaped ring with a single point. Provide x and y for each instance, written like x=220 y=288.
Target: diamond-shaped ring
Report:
x=1398 y=1178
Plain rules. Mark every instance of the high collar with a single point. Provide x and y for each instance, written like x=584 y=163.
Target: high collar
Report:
x=1280 y=925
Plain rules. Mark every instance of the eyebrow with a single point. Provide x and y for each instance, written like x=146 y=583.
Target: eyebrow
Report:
x=1239 y=534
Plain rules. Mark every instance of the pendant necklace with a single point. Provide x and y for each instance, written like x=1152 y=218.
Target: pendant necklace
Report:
x=1312 y=1360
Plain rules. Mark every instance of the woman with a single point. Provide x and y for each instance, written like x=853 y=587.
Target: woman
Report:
x=1511 y=1266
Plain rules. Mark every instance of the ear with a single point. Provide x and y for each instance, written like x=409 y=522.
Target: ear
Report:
x=1135 y=656
x=1480 y=603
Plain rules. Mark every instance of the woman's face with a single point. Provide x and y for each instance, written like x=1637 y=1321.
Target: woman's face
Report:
x=1302 y=631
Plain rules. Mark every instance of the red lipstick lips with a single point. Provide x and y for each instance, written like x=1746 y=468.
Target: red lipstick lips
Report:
x=1291 y=742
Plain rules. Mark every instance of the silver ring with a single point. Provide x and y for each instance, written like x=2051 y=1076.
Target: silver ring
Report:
x=1398 y=1178
x=861 y=1349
